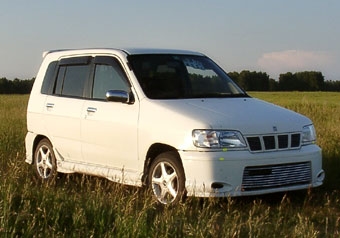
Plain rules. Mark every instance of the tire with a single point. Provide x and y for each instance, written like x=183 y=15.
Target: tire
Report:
x=45 y=165
x=166 y=178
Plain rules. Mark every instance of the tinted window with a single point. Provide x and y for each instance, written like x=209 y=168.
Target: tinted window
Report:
x=60 y=80
x=108 y=77
x=71 y=80
x=170 y=76
x=74 y=80
x=49 y=78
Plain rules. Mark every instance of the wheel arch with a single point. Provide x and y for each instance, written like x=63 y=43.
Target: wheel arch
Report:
x=155 y=150
x=36 y=141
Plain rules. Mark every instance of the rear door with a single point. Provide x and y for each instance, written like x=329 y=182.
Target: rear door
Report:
x=64 y=104
x=109 y=129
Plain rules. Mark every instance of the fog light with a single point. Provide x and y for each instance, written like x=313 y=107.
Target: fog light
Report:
x=320 y=176
x=220 y=187
x=216 y=185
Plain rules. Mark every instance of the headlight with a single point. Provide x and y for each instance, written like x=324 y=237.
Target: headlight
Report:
x=308 y=135
x=218 y=139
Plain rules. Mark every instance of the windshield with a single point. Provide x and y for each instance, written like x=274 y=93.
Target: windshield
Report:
x=168 y=76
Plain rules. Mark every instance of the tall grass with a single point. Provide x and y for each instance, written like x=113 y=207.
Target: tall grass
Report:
x=85 y=206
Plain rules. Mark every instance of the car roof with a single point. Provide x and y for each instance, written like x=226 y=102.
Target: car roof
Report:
x=138 y=51
x=128 y=51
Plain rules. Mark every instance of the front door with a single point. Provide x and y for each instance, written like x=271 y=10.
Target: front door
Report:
x=109 y=129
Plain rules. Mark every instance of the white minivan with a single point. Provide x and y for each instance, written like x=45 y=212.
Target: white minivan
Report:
x=169 y=119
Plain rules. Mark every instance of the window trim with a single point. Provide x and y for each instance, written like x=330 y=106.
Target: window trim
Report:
x=78 y=60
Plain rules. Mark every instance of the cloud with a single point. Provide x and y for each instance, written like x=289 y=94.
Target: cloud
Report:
x=275 y=63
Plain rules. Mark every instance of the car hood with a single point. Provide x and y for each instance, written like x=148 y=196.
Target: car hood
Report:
x=247 y=115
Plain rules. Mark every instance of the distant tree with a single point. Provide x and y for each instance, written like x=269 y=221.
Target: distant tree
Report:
x=243 y=79
x=262 y=81
x=273 y=85
x=310 y=80
x=301 y=81
x=254 y=81
x=15 y=86
x=4 y=85
x=287 y=82
x=331 y=86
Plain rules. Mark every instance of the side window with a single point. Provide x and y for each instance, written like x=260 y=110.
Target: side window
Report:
x=60 y=80
x=108 y=77
x=74 y=80
x=72 y=76
x=49 y=78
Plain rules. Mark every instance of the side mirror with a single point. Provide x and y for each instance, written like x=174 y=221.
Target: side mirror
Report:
x=118 y=96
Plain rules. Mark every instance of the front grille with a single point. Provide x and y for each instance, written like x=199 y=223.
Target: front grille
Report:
x=274 y=176
x=260 y=143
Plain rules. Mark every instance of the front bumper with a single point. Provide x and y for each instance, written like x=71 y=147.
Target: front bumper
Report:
x=226 y=173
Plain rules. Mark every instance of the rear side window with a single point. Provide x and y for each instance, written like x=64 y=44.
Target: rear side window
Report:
x=72 y=77
x=71 y=80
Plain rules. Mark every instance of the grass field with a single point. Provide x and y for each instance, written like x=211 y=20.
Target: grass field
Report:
x=85 y=206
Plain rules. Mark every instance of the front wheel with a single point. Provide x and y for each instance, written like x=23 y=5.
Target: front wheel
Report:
x=44 y=161
x=166 y=178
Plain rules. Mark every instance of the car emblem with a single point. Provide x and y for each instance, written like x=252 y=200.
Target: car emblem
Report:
x=274 y=128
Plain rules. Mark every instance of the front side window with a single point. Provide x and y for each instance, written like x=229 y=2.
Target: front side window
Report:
x=170 y=76
x=108 y=77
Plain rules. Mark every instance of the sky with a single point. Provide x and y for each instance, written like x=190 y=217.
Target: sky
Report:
x=270 y=36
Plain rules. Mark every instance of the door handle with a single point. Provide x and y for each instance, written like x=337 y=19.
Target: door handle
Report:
x=91 y=109
x=49 y=105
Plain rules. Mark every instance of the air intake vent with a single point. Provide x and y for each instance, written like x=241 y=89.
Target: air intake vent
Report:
x=273 y=176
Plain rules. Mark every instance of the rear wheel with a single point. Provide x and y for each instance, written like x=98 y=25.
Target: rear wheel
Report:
x=166 y=178
x=45 y=164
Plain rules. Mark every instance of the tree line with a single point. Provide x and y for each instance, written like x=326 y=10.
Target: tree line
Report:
x=300 y=81
x=16 y=86
x=249 y=81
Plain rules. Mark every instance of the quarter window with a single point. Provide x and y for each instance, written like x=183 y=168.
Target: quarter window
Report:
x=48 y=82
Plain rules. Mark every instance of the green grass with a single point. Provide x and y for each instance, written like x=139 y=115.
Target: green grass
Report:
x=85 y=206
